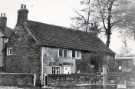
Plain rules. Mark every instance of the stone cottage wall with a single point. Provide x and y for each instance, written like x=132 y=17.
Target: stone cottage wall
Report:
x=25 y=61
x=26 y=57
x=28 y=61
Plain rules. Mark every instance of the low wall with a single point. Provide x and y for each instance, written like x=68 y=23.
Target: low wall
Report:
x=86 y=87
x=72 y=79
x=16 y=79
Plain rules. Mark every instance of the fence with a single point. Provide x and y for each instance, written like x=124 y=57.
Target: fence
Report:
x=72 y=79
x=87 y=86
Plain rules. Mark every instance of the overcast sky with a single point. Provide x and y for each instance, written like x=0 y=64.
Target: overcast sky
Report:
x=58 y=12
x=49 y=11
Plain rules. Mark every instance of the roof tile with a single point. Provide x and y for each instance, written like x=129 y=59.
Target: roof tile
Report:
x=56 y=36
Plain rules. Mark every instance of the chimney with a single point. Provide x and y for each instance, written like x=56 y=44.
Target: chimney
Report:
x=22 y=15
x=3 y=20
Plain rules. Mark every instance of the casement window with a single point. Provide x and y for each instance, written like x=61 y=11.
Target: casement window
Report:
x=69 y=53
x=60 y=52
x=56 y=70
x=76 y=54
x=73 y=53
x=10 y=51
x=63 y=52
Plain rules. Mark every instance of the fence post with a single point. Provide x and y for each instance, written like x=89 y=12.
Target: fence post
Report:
x=34 y=79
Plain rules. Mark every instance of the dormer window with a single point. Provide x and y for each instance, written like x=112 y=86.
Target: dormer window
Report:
x=10 y=51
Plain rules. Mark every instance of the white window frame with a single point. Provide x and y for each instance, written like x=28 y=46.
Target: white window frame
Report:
x=78 y=55
x=57 y=69
x=59 y=52
x=10 y=51
x=65 y=50
x=63 y=54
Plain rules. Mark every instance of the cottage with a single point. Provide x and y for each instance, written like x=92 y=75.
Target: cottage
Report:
x=45 y=49
x=5 y=32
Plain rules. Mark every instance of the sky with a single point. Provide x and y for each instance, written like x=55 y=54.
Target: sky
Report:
x=57 y=12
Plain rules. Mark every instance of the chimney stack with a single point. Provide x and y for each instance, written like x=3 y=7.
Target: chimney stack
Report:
x=3 y=20
x=22 y=15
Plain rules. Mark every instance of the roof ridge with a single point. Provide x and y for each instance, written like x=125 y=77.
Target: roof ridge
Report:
x=65 y=28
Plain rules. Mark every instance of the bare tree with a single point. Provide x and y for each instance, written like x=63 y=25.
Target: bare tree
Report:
x=109 y=14
x=105 y=9
x=96 y=11
x=117 y=14
x=126 y=18
x=85 y=20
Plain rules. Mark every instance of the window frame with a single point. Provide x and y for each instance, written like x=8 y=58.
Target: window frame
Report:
x=10 y=51
x=65 y=53
x=56 y=70
x=78 y=54
x=60 y=51
x=73 y=51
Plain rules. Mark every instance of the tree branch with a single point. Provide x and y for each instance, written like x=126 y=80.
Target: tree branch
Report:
x=81 y=16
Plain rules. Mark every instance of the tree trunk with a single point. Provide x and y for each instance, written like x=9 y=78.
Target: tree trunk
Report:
x=108 y=30
x=108 y=40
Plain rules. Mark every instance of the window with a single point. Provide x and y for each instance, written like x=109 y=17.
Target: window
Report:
x=73 y=53
x=76 y=54
x=10 y=51
x=69 y=53
x=65 y=53
x=60 y=52
x=55 y=70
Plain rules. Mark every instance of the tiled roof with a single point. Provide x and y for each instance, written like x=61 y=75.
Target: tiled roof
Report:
x=56 y=36
x=6 y=31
